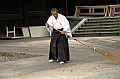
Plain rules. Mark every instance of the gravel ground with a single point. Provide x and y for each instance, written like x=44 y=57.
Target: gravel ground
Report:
x=84 y=64
x=9 y=56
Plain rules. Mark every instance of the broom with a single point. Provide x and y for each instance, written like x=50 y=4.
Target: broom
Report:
x=108 y=55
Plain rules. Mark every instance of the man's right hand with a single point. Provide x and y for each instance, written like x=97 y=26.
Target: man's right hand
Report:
x=46 y=24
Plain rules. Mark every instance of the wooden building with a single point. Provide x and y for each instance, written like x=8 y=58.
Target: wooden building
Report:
x=22 y=13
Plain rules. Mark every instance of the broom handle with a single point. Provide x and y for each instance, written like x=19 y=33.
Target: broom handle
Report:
x=107 y=55
x=93 y=48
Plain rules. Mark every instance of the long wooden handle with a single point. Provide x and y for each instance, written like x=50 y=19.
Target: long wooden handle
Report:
x=93 y=48
x=109 y=56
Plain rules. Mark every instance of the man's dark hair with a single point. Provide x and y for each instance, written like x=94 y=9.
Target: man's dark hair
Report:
x=54 y=10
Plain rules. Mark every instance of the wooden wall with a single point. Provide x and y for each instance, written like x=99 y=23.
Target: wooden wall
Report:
x=10 y=14
x=35 y=12
x=22 y=13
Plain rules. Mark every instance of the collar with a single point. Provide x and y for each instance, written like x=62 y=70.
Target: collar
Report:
x=58 y=16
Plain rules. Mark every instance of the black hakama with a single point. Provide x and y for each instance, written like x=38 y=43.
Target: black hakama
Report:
x=59 y=47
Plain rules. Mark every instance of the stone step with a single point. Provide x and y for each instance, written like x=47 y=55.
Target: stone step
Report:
x=94 y=35
x=99 y=27
x=114 y=33
x=109 y=26
x=97 y=30
x=103 y=18
x=103 y=21
x=101 y=24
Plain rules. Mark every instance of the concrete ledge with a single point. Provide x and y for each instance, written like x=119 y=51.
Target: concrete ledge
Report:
x=38 y=31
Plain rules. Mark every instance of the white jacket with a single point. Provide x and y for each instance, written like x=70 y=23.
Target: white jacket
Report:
x=59 y=23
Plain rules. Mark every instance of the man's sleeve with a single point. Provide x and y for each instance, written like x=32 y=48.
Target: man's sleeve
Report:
x=66 y=26
x=49 y=21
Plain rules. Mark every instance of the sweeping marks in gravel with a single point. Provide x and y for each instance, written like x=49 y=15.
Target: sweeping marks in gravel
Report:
x=9 y=56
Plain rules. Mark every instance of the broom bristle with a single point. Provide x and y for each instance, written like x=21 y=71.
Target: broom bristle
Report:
x=111 y=57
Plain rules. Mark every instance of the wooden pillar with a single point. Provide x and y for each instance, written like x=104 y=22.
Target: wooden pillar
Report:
x=25 y=13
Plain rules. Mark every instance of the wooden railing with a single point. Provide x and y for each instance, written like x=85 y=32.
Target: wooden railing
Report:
x=108 y=10
x=91 y=10
x=114 y=9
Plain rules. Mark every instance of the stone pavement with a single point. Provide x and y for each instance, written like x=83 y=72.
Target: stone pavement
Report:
x=84 y=64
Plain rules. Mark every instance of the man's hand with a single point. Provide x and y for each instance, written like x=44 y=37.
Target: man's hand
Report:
x=62 y=32
x=46 y=24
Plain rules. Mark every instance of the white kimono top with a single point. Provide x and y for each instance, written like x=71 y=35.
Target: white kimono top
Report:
x=59 y=23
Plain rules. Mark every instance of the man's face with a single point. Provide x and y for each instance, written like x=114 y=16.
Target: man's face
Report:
x=55 y=14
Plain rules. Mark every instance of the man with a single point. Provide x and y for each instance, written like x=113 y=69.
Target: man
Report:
x=59 y=48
